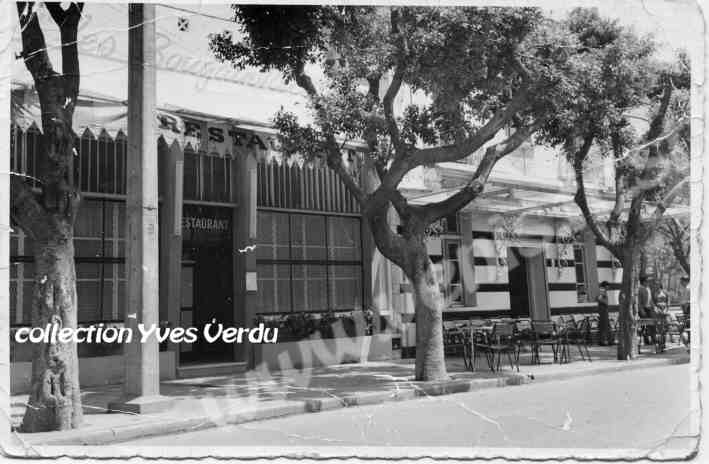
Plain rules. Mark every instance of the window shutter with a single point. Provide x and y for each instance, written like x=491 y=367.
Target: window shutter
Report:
x=591 y=265
x=467 y=260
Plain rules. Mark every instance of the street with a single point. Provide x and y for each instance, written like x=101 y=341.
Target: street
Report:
x=635 y=409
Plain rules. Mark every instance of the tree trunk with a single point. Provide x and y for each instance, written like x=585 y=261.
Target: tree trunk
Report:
x=429 y=303
x=55 y=400
x=627 y=328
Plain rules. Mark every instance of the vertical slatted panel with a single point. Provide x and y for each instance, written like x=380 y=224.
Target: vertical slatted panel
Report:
x=315 y=188
x=332 y=195
x=103 y=165
x=114 y=162
x=285 y=185
x=121 y=148
x=93 y=167
x=327 y=177
x=310 y=181
x=84 y=160
x=276 y=185
x=340 y=195
x=295 y=187
x=319 y=192
x=259 y=184
x=328 y=190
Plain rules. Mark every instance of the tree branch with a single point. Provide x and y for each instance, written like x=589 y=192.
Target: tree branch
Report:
x=388 y=103
x=455 y=152
x=494 y=153
x=391 y=245
x=581 y=198
x=675 y=233
x=334 y=155
x=34 y=47
x=404 y=162
x=662 y=206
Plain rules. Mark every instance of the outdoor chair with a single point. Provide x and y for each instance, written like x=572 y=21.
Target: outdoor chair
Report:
x=544 y=334
x=594 y=332
x=472 y=336
x=501 y=340
x=524 y=333
x=453 y=340
x=575 y=333
x=614 y=328
x=658 y=339
x=674 y=330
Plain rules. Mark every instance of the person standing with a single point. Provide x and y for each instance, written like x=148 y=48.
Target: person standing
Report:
x=661 y=299
x=604 y=323
x=684 y=304
x=664 y=316
x=645 y=309
x=684 y=295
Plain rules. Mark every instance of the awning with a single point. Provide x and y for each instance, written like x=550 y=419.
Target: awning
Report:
x=100 y=115
x=523 y=197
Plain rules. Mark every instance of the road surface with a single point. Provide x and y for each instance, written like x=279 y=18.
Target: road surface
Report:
x=633 y=409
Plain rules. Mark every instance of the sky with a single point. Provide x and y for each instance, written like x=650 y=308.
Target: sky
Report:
x=185 y=62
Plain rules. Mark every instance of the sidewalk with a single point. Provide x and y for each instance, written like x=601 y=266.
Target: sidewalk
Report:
x=257 y=395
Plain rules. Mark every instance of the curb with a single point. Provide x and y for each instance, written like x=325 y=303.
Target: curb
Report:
x=155 y=428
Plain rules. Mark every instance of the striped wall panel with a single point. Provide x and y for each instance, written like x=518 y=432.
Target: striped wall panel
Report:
x=493 y=292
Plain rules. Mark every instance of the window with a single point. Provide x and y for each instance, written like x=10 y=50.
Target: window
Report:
x=580 y=265
x=99 y=247
x=99 y=242
x=308 y=262
x=207 y=177
x=447 y=270
x=451 y=273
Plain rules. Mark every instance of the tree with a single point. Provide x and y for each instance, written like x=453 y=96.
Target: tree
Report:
x=482 y=69
x=47 y=216
x=651 y=166
x=676 y=234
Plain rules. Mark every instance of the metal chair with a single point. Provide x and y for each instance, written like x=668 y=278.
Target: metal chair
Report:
x=544 y=334
x=471 y=331
x=575 y=333
x=501 y=340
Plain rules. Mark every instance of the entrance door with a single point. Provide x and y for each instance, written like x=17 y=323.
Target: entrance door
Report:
x=528 y=285
x=213 y=300
x=208 y=271
x=519 y=292
x=537 y=285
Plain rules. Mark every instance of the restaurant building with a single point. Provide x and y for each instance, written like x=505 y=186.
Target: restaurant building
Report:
x=225 y=187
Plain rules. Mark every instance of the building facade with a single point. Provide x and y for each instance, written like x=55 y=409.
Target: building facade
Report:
x=246 y=234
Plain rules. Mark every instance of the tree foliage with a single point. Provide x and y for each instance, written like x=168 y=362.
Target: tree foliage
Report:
x=480 y=70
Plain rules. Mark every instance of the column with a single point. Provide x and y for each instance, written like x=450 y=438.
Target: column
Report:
x=244 y=183
x=141 y=387
x=171 y=238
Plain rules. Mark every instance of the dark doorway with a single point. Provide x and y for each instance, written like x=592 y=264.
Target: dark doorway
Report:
x=208 y=269
x=213 y=289
x=519 y=290
x=529 y=295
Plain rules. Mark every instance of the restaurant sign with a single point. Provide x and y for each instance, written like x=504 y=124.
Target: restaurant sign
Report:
x=206 y=224
x=215 y=138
